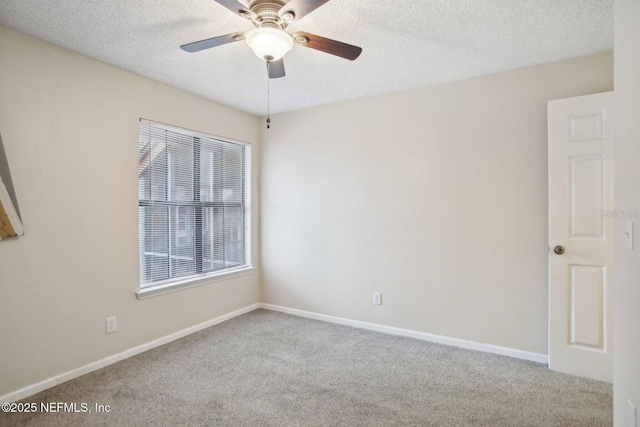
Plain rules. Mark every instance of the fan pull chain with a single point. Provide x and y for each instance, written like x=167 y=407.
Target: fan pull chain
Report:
x=268 y=95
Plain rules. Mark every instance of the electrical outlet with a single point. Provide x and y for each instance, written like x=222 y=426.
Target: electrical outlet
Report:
x=632 y=416
x=112 y=324
x=377 y=298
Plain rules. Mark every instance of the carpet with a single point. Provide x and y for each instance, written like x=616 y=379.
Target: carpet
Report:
x=272 y=369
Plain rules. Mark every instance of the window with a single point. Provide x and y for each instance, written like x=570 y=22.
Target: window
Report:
x=193 y=205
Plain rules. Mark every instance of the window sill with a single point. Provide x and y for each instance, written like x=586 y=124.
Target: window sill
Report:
x=154 y=291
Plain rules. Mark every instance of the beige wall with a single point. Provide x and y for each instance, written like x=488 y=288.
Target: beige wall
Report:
x=436 y=197
x=627 y=157
x=69 y=126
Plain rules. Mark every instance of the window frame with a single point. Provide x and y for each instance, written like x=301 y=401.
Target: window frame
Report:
x=199 y=278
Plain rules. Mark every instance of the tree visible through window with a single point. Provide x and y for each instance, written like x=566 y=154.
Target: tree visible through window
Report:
x=193 y=214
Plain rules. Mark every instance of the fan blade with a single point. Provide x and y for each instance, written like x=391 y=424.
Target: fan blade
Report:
x=300 y=8
x=209 y=43
x=236 y=7
x=333 y=47
x=275 y=69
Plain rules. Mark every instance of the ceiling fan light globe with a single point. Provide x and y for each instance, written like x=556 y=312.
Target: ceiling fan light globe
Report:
x=269 y=44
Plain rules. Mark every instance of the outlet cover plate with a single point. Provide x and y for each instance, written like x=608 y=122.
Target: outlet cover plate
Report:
x=112 y=324
x=377 y=298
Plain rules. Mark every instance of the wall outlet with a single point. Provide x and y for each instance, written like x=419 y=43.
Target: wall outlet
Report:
x=112 y=324
x=632 y=415
x=377 y=298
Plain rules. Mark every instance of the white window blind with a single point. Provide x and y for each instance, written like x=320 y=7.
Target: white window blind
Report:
x=193 y=215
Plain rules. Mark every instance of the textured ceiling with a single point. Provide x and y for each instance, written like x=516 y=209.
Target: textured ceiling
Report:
x=406 y=44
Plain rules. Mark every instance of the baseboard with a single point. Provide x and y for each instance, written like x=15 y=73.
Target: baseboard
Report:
x=59 y=379
x=456 y=342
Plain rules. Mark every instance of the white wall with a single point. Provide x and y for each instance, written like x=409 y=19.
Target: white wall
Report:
x=436 y=197
x=70 y=130
x=626 y=288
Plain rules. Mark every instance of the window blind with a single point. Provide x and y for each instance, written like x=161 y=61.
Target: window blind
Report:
x=193 y=213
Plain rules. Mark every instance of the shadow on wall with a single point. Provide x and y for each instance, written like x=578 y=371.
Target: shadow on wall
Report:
x=10 y=222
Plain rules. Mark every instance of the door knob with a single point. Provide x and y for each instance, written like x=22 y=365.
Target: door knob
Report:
x=558 y=250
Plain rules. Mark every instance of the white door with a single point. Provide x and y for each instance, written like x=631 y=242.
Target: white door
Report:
x=581 y=235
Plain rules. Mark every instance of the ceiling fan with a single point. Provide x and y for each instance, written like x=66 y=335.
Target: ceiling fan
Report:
x=268 y=40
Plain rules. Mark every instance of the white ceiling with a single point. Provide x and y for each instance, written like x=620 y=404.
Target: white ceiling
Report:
x=406 y=44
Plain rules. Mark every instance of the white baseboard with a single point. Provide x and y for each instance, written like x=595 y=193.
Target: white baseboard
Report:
x=456 y=342
x=59 y=379
x=471 y=345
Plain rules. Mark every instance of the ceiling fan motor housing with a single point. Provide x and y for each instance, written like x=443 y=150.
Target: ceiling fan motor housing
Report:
x=266 y=14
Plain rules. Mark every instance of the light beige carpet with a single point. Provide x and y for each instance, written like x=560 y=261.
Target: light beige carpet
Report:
x=273 y=369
